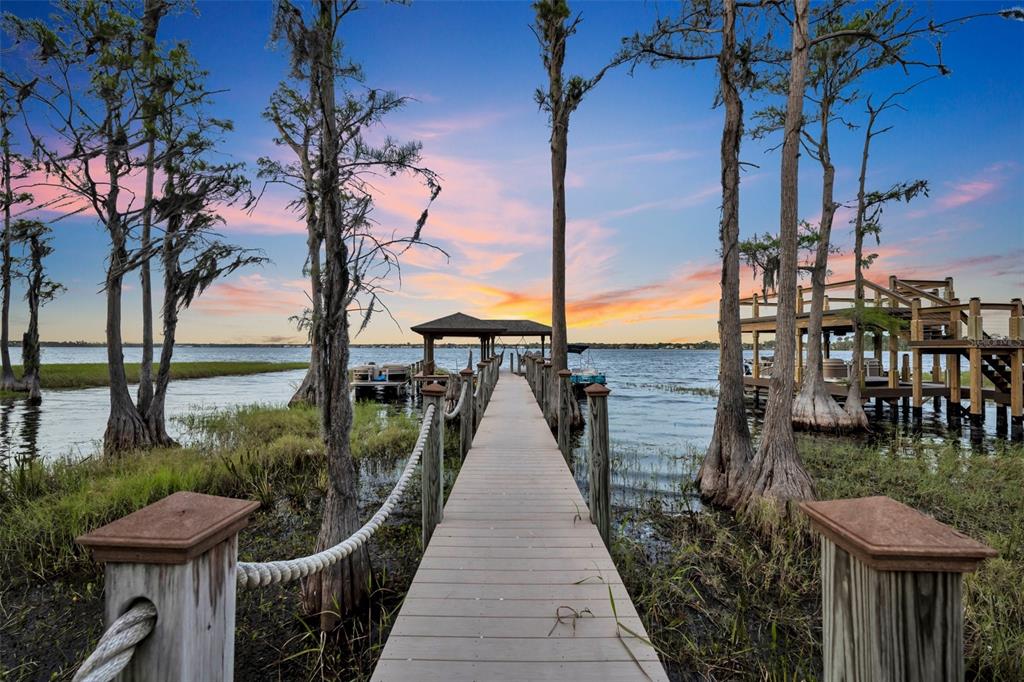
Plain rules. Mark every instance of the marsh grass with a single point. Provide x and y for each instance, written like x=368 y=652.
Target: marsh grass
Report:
x=261 y=453
x=728 y=600
x=51 y=593
x=94 y=374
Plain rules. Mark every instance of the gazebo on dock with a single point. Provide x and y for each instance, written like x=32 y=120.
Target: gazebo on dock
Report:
x=460 y=325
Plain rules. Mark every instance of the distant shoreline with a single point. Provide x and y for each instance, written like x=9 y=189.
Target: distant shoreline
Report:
x=698 y=345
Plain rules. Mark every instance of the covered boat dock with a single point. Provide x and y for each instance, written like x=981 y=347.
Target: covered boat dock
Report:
x=461 y=325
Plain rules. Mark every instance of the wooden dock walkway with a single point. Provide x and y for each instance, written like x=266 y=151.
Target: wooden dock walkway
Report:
x=514 y=557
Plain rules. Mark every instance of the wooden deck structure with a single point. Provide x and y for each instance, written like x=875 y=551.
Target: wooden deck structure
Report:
x=984 y=339
x=513 y=558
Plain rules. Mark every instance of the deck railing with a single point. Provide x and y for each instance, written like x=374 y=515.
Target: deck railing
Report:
x=555 y=397
x=167 y=564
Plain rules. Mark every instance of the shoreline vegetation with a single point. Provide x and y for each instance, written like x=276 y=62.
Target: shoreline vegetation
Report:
x=95 y=374
x=722 y=597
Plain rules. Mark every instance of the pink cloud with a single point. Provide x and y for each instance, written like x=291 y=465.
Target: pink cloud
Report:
x=254 y=294
x=432 y=129
x=959 y=193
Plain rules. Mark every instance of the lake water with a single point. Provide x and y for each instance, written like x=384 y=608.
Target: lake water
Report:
x=661 y=408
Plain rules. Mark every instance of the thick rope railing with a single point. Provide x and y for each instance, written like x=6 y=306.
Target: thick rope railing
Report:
x=274 y=572
x=117 y=645
x=457 y=410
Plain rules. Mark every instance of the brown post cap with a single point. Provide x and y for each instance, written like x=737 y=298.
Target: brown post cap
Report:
x=433 y=389
x=547 y=363
x=564 y=373
x=174 y=530
x=890 y=536
x=481 y=364
x=466 y=372
x=597 y=391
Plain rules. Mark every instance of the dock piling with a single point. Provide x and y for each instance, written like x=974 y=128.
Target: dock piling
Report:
x=432 y=467
x=467 y=420
x=891 y=591
x=917 y=334
x=975 y=334
x=1016 y=332
x=564 y=412
x=600 y=473
x=546 y=391
x=179 y=553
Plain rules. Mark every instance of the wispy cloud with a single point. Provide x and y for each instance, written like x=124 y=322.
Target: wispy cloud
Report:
x=969 y=190
x=435 y=128
x=665 y=156
x=254 y=294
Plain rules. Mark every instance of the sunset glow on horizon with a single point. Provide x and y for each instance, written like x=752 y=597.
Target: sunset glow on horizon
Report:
x=643 y=189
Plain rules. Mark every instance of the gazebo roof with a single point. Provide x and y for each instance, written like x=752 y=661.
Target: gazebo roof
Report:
x=524 y=327
x=461 y=324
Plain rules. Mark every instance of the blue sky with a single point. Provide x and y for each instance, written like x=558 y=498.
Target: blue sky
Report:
x=643 y=190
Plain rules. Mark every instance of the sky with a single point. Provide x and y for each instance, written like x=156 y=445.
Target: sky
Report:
x=643 y=190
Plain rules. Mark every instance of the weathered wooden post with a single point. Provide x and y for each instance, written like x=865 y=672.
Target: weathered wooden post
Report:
x=432 y=465
x=1017 y=371
x=891 y=585
x=545 y=388
x=564 y=412
x=467 y=422
x=974 y=334
x=953 y=412
x=755 y=312
x=600 y=470
x=180 y=554
x=481 y=379
x=916 y=334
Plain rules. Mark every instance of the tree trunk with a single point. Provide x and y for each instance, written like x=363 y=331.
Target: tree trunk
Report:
x=125 y=428
x=730 y=450
x=559 y=145
x=854 y=406
x=559 y=153
x=308 y=391
x=776 y=471
x=7 y=380
x=342 y=587
x=155 y=415
x=814 y=407
x=150 y=22
x=30 y=340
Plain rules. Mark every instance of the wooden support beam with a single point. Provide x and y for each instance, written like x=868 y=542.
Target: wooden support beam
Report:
x=953 y=411
x=428 y=354
x=757 y=350
x=918 y=374
x=1017 y=373
x=891 y=591
x=974 y=333
x=799 y=356
x=894 y=361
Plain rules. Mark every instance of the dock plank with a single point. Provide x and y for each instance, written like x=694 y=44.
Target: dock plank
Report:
x=514 y=551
